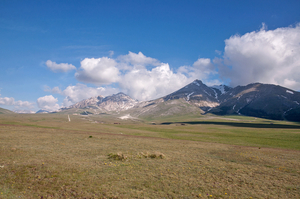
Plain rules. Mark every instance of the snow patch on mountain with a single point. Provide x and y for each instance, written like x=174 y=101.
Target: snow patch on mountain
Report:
x=248 y=100
x=287 y=111
x=126 y=117
x=283 y=96
x=290 y=92
x=195 y=82
x=188 y=96
x=221 y=88
x=216 y=94
x=207 y=92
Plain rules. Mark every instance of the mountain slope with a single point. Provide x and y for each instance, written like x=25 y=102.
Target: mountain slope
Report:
x=199 y=94
x=260 y=100
x=5 y=111
x=191 y=100
x=100 y=104
x=160 y=108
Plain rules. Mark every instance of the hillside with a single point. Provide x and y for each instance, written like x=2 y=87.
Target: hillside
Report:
x=260 y=100
x=5 y=111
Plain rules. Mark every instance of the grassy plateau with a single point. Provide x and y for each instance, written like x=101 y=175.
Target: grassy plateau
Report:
x=100 y=156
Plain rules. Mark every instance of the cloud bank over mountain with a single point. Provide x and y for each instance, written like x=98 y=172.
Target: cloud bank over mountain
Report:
x=10 y=101
x=266 y=56
x=141 y=77
x=98 y=71
x=48 y=103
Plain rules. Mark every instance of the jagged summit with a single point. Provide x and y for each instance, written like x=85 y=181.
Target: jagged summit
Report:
x=197 y=82
x=115 y=102
x=196 y=93
x=93 y=101
x=222 y=88
x=120 y=93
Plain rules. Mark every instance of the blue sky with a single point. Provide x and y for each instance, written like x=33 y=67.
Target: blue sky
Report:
x=144 y=48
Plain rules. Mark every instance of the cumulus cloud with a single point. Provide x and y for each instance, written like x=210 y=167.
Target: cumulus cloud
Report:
x=78 y=92
x=98 y=71
x=74 y=94
x=136 y=79
x=10 y=101
x=267 y=56
x=20 y=103
x=53 y=90
x=143 y=84
x=204 y=65
x=202 y=69
x=48 y=103
x=63 y=67
x=133 y=60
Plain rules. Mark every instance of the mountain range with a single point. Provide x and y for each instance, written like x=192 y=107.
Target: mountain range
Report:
x=256 y=99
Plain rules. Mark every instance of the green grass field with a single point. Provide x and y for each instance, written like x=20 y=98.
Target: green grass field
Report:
x=45 y=156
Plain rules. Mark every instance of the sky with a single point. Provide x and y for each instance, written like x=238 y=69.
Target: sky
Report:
x=54 y=53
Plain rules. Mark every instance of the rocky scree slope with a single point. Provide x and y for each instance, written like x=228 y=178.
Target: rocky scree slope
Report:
x=115 y=102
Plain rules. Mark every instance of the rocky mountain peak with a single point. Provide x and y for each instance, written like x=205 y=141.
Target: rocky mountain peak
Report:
x=256 y=99
x=222 y=88
x=197 y=82
x=115 y=102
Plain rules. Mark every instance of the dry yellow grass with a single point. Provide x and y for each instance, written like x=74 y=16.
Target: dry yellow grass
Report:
x=64 y=163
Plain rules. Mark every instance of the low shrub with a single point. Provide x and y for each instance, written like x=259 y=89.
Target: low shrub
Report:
x=152 y=155
x=117 y=156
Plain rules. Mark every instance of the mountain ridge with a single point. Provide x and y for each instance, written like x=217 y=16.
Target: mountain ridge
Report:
x=255 y=99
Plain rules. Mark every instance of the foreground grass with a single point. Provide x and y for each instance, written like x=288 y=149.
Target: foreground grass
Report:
x=235 y=130
x=76 y=160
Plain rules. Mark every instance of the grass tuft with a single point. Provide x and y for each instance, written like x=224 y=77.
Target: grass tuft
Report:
x=156 y=154
x=117 y=156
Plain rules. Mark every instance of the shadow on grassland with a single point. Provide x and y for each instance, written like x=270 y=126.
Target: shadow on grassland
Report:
x=240 y=124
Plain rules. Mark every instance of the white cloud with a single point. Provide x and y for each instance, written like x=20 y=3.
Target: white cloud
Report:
x=10 y=101
x=143 y=84
x=136 y=80
x=133 y=60
x=63 y=67
x=56 y=90
x=78 y=92
x=267 y=56
x=20 y=103
x=48 y=103
x=111 y=53
x=98 y=71
x=202 y=69
x=204 y=65
x=53 y=90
